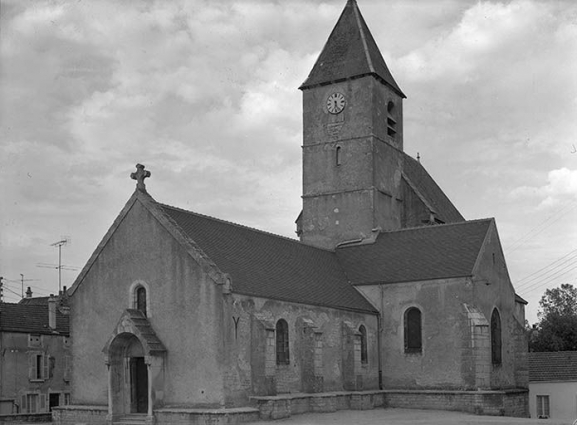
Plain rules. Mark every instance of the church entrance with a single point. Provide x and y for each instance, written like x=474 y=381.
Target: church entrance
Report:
x=135 y=370
x=138 y=385
x=128 y=376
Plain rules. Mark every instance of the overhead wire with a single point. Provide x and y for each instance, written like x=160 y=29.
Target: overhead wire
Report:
x=556 y=216
x=547 y=269
x=549 y=279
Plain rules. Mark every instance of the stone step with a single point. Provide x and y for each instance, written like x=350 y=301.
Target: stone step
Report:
x=131 y=419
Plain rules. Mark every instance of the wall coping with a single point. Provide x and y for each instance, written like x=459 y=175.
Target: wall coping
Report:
x=25 y=417
x=292 y=396
x=81 y=407
x=231 y=410
x=504 y=391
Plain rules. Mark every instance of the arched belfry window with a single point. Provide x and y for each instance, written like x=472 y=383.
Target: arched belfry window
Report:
x=413 y=336
x=391 y=121
x=496 y=337
x=282 y=342
x=363 y=332
x=141 y=299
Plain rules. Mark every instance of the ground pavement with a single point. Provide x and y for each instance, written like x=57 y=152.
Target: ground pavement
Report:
x=395 y=417
x=404 y=417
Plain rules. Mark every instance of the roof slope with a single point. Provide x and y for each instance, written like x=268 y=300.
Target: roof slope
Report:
x=418 y=177
x=553 y=366
x=269 y=266
x=420 y=253
x=31 y=318
x=350 y=51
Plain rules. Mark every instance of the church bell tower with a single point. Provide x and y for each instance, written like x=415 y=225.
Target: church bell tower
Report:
x=352 y=139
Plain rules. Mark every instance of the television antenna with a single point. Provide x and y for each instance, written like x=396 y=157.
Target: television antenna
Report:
x=64 y=240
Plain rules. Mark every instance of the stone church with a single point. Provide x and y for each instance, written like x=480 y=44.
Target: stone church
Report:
x=390 y=298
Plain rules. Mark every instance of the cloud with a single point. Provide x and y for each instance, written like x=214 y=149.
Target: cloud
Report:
x=561 y=186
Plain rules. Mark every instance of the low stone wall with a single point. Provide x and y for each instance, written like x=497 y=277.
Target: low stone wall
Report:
x=494 y=403
x=26 y=417
x=74 y=414
x=96 y=415
x=286 y=405
x=206 y=416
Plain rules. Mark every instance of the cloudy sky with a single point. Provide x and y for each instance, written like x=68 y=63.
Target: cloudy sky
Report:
x=204 y=93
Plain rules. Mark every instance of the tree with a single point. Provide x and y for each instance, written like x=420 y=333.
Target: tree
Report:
x=557 y=327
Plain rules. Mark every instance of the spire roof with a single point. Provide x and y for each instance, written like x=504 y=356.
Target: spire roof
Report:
x=350 y=51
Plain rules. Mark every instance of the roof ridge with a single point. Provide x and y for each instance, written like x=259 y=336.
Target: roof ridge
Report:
x=476 y=220
x=364 y=40
x=243 y=226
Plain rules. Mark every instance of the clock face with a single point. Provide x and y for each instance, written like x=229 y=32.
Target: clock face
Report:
x=336 y=103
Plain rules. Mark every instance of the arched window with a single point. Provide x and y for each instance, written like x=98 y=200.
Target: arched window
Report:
x=496 y=337
x=363 y=332
x=338 y=155
x=141 y=299
x=282 y=342
x=413 y=338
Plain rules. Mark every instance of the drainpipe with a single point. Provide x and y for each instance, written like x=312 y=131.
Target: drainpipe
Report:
x=380 y=337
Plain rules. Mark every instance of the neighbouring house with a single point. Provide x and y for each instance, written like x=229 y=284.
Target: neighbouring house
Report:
x=553 y=385
x=35 y=355
x=389 y=298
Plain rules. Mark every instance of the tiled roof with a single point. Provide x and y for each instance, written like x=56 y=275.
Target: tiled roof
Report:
x=553 y=366
x=420 y=253
x=350 y=52
x=269 y=266
x=31 y=318
x=34 y=300
x=428 y=189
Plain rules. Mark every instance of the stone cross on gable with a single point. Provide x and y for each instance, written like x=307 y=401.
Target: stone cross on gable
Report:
x=139 y=176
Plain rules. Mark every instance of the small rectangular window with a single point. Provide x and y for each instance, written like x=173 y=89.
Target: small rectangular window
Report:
x=34 y=340
x=32 y=403
x=543 y=407
x=67 y=367
x=38 y=366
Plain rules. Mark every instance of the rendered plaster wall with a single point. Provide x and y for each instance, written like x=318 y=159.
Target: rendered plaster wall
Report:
x=562 y=399
x=455 y=354
x=445 y=333
x=184 y=309
x=15 y=370
x=318 y=348
x=492 y=289
x=345 y=198
x=365 y=112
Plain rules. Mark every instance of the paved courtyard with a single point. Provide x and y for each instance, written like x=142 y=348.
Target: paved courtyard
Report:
x=403 y=417
x=392 y=417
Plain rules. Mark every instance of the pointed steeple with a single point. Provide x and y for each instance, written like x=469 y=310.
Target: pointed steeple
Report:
x=350 y=51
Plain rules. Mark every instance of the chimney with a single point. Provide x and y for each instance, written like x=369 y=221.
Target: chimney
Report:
x=52 y=312
x=29 y=293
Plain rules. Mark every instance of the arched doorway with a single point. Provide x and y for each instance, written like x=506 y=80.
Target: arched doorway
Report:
x=135 y=359
x=128 y=375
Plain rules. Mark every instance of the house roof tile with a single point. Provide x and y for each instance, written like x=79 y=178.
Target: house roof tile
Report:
x=31 y=318
x=270 y=266
x=420 y=253
x=553 y=366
